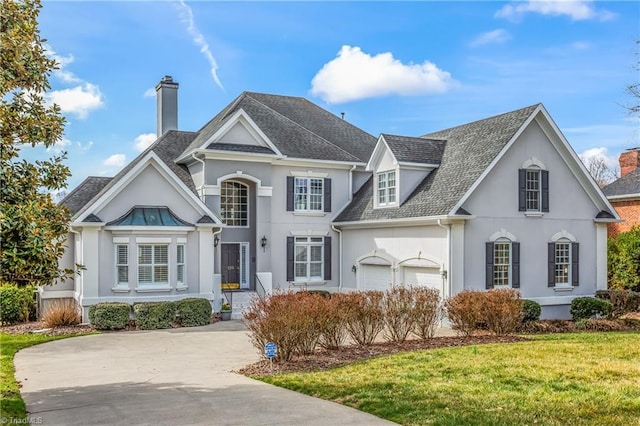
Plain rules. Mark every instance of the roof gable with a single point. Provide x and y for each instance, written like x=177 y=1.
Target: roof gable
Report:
x=626 y=186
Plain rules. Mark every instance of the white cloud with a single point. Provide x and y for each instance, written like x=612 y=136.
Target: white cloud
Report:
x=116 y=160
x=496 y=36
x=84 y=147
x=601 y=152
x=576 y=10
x=59 y=146
x=141 y=142
x=354 y=75
x=79 y=100
x=150 y=92
x=200 y=41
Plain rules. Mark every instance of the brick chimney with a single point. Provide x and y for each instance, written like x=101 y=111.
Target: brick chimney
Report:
x=629 y=160
x=167 y=105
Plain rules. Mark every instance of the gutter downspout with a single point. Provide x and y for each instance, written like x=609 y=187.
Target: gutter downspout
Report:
x=446 y=276
x=204 y=176
x=339 y=258
x=351 y=182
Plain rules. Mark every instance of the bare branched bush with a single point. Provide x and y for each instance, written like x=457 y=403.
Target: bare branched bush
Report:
x=364 y=316
x=427 y=311
x=334 y=327
x=62 y=313
x=398 y=312
x=502 y=311
x=464 y=311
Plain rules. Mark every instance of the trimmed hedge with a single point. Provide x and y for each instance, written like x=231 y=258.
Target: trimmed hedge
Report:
x=109 y=316
x=154 y=315
x=530 y=310
x=193 y=312
x=589 y=307
x=17 y=304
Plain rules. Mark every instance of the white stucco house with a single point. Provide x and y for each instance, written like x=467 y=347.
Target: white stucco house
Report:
x=276 y=192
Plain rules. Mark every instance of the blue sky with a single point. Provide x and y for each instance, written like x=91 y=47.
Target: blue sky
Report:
x=403 y=68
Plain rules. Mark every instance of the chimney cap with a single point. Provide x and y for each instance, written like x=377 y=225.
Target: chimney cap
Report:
x=166 y=81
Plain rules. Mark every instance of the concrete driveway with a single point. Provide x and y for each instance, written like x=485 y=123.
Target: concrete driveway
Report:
x=167 y=377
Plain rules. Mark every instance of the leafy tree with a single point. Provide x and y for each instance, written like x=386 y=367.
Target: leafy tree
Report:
x=624 y=260
x=32 y=227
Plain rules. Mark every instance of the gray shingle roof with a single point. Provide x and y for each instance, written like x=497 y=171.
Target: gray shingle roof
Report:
x=415 y=150
x=84 y=192
x=468 y=151
x=167 y=147
x=297 y=127
x=240 y=148
x=626 y=185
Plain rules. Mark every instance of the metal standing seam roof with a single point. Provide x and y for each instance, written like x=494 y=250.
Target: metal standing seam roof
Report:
x=149 y=216
x=297 y=127
x=628 y=184
x=468 y=151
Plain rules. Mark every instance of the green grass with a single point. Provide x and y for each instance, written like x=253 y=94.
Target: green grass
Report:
x=563 y=379
x=12 y=408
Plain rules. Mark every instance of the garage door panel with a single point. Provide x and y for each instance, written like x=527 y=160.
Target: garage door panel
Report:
x=424 y=277
x=375 y=277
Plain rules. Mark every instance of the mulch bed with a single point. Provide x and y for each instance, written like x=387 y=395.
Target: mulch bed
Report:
x=327 y=359
x=39 y=328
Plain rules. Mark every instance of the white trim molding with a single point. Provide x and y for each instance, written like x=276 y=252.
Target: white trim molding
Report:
x=563 y=235
x=502 y=233
x=533 y=161
x=308 y=173
x=309 y=233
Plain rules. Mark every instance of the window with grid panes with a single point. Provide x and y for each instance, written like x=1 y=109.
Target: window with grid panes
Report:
x=309 y=258
x=308 y=193
x=533 y=189
x=233 y=203
x=563 y=262
x=386 y=188
x=501 y=263
x=153 y=264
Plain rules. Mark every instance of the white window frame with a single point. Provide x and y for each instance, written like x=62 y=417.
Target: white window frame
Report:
x=563 y=244
x=308 y=243
x=306 y=205
x=233 y=221
x=384 y=192
x=118 y=265
x=537 y=192
x=498 y=275
x=181 y=265
x=154 y=265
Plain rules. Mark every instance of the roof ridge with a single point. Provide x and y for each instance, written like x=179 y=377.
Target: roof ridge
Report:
x=301 y=126
x=225 y=111
x=483 y=119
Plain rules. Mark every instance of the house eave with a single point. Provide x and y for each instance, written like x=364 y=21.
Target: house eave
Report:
x=409 y=221
x=624 y=197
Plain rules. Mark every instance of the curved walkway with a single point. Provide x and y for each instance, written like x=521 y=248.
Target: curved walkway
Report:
x=166 y=377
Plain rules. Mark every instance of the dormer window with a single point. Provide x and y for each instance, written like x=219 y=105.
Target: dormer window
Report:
x=386 y=188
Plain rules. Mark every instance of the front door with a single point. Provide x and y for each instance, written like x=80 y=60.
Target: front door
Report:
x=230 y=263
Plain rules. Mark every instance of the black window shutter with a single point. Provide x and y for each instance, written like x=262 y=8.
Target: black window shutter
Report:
x=290 y=258
x=327 y=258
x=489 y=259
x=551 y=265
x=545 y=190
x=290 y=185
x=522 y=190
x=515 y=263
x=327 y=195
x=575 y=264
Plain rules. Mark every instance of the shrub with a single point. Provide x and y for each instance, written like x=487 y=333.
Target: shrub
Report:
x=623 y=301
x=364 y=315
x=61 y=313
x=193 y=312
x=334 y=332
x=502 y=311
x=17 y=304
x=398 y=313
x=109 y=316
x=293 y=321
x=154 y=315
x=323 y=293
x=623 y=260
x=464 y=311
x=530 y=310
x=426 y=311
x=588 y=307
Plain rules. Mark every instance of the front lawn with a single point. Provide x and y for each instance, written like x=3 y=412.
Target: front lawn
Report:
x=12 y=408
x=586 y=378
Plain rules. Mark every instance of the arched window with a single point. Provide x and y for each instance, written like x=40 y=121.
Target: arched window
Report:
x=564 y=261
x=503 y=261
x=533 y=186
x=233 y=203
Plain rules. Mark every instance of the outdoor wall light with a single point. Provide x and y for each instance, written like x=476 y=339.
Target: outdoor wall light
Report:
x=354 y=269
x=216 y=240
x=263 y=241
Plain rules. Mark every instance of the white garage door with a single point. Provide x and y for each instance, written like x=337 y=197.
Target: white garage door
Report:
x=375 y=277
x=421 y=276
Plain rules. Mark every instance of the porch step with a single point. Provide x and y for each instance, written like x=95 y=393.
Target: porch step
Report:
x=240 y=300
